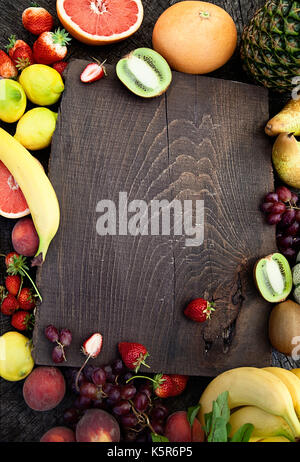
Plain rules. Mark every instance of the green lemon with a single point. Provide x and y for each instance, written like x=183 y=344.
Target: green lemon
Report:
x=12 y=100
x=15 y=356
x=43 y=85
x=35 y=129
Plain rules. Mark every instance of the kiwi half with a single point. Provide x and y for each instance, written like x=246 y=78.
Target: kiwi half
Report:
x=273 y=277
x=144 y=72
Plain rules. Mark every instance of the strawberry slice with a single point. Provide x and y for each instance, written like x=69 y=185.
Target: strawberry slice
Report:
x=92 y=72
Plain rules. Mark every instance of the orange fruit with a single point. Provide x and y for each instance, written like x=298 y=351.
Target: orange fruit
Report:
x=195 y=37
x=100 y=22
x=12 y=201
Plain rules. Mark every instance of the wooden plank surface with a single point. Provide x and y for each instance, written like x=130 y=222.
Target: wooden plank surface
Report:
x=18 y=422
x=196 y=142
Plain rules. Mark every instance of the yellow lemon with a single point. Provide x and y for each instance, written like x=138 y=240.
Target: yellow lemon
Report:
x=15 y=356
x=12 y=100
x=35 y=129
x=43 y=85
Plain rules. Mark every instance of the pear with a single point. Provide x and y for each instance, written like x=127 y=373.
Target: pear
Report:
x=287 y=120
x=286 y=159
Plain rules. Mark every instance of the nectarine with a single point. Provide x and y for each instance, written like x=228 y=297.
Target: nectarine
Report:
x=24 y=237
x=44 y=388
x=97 y=426
x=58 y=435
x=179 y=430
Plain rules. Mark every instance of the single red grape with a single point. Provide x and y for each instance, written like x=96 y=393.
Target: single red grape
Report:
x=128 y=421
x=128 y=391
x=122 y=407
x=288 y=217
x=293 y=229
x=297 y=216
x=284 y=194
x=130 y=436
x=51 y=333
x=57 y=354
x=110 y=376
x=289 y=253
x=71 y=415
x=271 y=197
x=285 y=242
x=65 y=337
x=114 y=393
x=141 y=402
x=294 y=198
x=89 y=390
x=118 y=367
x=82 y=402
x=159 y=412
x=157 y=427
x=267 y=207
x=278 y=207
x=99 y=376
x=274 y=218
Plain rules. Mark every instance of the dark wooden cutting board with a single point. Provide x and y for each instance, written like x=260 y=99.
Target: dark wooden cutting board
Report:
x=202 y=140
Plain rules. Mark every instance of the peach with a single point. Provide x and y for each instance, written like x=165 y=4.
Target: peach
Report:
x=44 y=388
x=58 y=435
x=97 y=426
x=178 y=429
x=24 y=237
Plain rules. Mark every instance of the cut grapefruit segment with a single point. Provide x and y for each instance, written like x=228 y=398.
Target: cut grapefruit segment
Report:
x=12 y=201
x=100 y=22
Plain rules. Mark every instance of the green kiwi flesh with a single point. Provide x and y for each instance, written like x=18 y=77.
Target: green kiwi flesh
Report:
x=145 y=72
x=273 y=277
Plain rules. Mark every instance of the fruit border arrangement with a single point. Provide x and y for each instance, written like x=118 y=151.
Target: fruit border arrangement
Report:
x=115 y=402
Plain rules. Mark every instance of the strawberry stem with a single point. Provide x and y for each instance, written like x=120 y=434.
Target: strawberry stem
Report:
x=141 y=377
x=79 y=372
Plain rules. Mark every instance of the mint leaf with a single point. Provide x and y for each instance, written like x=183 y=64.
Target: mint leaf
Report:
x=208 y=422
x=218 y=432
x=222 y=401
x=243 y=434
x=192 y=413
x=159 y=438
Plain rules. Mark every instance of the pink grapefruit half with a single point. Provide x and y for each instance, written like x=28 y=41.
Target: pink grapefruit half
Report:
x=100 y=22
x=12 y=201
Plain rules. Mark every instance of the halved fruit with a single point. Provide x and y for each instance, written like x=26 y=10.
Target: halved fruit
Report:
x=12 y=201
x=100 y=22
x=145 y=72
x=273 y=277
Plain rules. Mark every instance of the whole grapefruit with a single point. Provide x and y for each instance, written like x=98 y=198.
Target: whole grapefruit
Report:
x=100 y=22
x=195 y=37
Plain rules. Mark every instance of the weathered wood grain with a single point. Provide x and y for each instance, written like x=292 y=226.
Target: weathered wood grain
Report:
x=196 y=142
x=17 y=422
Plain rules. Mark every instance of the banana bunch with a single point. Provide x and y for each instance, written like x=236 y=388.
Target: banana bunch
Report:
x=267 y=398
x=37 y=189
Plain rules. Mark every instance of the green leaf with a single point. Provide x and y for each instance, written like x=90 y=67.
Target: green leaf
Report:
x=208 y=422
x=159 y=438
x=222 y=401
x=243 y=434
x=218 y=432
x=192 y=413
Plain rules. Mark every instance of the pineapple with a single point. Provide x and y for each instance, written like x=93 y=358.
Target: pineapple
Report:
x=270 y=47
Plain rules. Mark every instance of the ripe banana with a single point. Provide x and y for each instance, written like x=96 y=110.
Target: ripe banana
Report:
x=265 y=424
x=296 y=372
x=37 y=189
x=292 y=383
x=270 y=439
x=254 y=387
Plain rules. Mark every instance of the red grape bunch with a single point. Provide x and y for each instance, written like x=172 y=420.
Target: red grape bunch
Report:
x=281 y=210
x=137 y=409
x=62 y=338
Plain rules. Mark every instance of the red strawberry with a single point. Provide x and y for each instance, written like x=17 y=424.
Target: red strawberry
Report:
x=13 y=44
x=133 y=354
x=9 y=305
x=10 y=257
x=163 y=386
x=13 y=284
x=37 y=20
x=26 y=299
x=22 y=320
x=22 y=58
x=199 y=310
x=7 y=68
x=51 y=47
x=92 y=72
x=179 y=383
x=60 y=66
